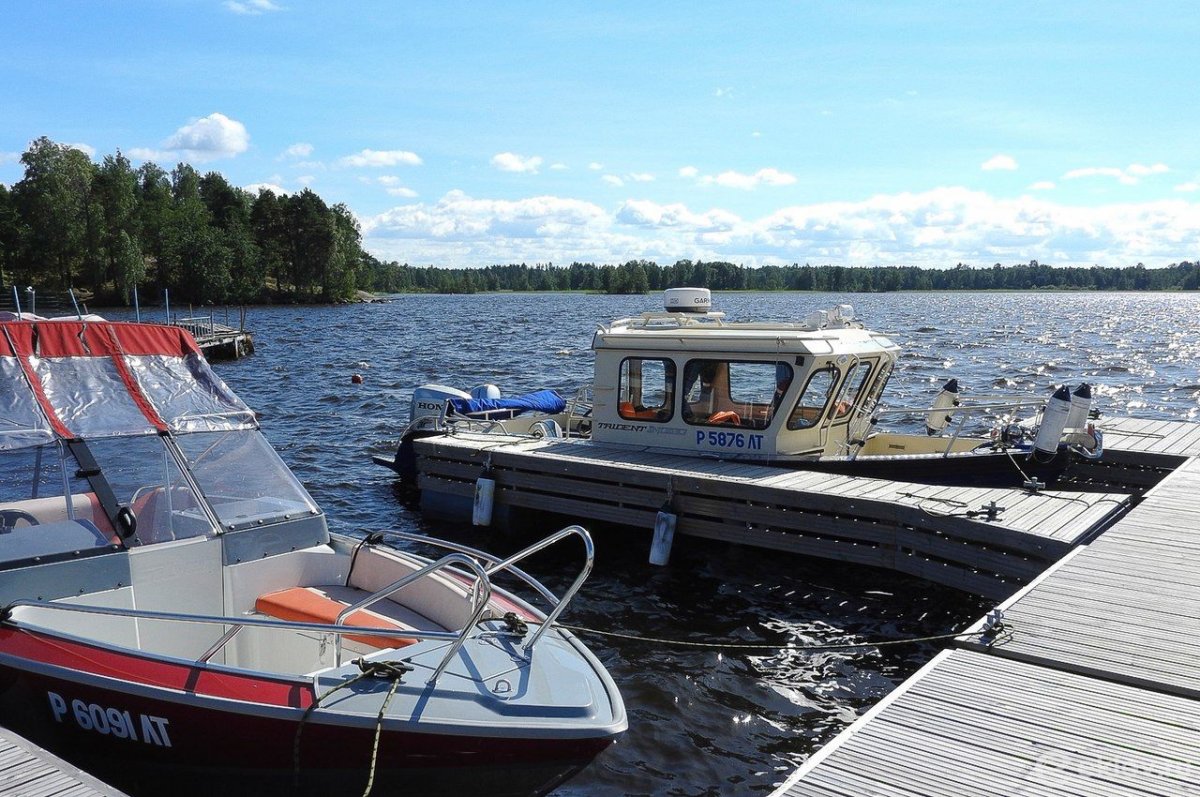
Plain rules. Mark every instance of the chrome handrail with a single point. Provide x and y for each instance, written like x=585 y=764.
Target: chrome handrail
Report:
x=497 y=565
x=481 y=593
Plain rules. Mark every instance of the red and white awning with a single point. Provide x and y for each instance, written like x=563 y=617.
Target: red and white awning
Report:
x=88 y=379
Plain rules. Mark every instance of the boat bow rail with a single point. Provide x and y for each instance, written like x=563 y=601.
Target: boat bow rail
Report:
x=463 y=561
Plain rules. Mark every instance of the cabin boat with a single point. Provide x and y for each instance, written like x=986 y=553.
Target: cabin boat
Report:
x=175 y=605
x=805 y=394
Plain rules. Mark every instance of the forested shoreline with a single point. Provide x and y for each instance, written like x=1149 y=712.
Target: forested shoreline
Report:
x=105 y=228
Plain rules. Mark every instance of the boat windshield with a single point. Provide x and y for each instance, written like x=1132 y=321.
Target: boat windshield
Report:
x=244 y=480
x=65 y=498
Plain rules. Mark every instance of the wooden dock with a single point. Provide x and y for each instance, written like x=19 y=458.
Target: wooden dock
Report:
x=1093 y=690
x=986 y=541
x=27 y=770
x=217 y=341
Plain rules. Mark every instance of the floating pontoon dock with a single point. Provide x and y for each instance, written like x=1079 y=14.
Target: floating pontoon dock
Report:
x=986 y=541
x=1092 y=690
x=27 y=770
x=217 y=341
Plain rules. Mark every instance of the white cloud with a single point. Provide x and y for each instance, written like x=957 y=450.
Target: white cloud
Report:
x=252 y=7
x=298 y=150
x=689 y=172
x=641 y=177
x=746 y=182
x=1126 y=176
x=995 y=163
x=512 y=162
x=558 y=167
x=612 y=179
x=1042 y=185
x=209 y=138
x=377 y=158
x=9 y=157
x=723 y=91
x=595 y=166
x=402 y=191
x=305 y=179
x=935 y=228
x=1188 y=187
x=254 y=188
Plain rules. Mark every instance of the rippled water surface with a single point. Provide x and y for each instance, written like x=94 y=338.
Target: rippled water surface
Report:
x=702 y=721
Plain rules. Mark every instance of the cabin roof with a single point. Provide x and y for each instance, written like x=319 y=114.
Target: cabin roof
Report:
x=658 y=333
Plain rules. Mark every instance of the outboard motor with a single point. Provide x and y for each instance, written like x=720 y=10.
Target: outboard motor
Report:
x=942 y=410
x=1054 y=420
x=485 y=392
x=429 y=400
x=1081 y=403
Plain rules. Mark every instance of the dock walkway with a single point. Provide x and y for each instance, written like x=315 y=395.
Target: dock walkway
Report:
x=989 y=541
x=1094 y=690
x=27 y=770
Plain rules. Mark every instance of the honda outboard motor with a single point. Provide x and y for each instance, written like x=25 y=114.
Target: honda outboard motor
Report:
x=429 y=400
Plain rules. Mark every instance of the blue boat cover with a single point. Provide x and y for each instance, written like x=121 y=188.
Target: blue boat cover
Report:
x=547 y=401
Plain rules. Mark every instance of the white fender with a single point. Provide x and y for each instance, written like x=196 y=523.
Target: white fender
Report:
x=1054 y=420
x=938 y=415
x=1081 y=403
x=664 y=535
x=485 y=492
x=485 y=391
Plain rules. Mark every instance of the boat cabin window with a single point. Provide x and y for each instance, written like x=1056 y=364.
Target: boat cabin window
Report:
x=647 y=389
x=734 y=392
x=244 y=480
x=853 y=386
x=817 y=394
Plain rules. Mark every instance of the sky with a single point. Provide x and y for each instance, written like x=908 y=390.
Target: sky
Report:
x=468 y=134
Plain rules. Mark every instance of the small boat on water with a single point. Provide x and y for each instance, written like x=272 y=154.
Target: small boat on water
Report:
x=803 y=394
x=178 y=618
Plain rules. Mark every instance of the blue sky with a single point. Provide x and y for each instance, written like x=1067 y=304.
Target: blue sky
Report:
x=824 y=132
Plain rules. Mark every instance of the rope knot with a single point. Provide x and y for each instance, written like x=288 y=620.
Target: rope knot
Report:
x=515 y=624
x=385 y=670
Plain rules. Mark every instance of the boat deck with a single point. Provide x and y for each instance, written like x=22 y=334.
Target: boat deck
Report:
x=27 y=770
x=1094 y=690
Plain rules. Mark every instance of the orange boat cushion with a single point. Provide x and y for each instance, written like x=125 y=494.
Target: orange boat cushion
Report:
x=312 y=605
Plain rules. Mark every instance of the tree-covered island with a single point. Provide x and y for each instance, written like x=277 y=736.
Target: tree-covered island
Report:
x=106 y=228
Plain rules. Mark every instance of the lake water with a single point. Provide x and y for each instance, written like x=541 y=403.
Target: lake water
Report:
x=702 y=721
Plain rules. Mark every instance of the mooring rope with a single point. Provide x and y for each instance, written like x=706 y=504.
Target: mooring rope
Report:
x=989 y=635
x=393 y=670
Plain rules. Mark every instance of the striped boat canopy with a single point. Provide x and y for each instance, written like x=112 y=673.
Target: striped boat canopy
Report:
x=73 y=379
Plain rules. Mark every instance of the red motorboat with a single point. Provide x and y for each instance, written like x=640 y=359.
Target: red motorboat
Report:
x=178 y=616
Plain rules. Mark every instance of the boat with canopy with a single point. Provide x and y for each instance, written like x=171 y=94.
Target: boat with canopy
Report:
x=177 y=614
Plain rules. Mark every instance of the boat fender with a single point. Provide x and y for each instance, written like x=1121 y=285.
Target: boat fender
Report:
x=1081 y=404
x=1054 y=420
x=546 y=428
x=485 y=493
x=664 y=536
x=942 y=410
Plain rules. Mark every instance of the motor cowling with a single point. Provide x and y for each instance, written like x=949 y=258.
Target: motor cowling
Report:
x=1050 y=430
x=942 y=410
x=1081 y=404
x=430 y=399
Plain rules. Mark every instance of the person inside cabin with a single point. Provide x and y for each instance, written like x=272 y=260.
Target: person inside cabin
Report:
x=783 y=380
x=706 y=394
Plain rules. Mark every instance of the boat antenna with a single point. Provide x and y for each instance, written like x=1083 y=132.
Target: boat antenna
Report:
x=137 y=310
x=17 y=301
x=71 y=293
